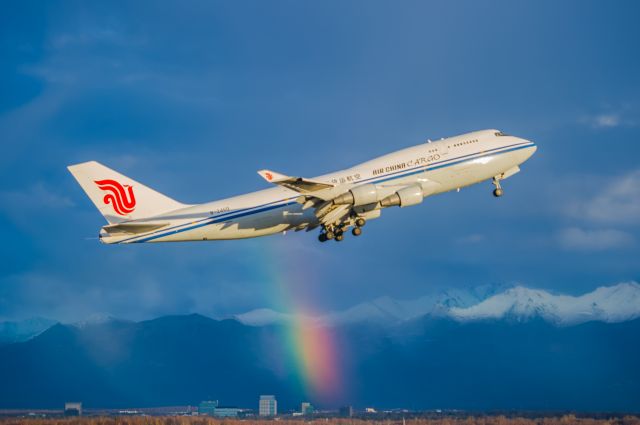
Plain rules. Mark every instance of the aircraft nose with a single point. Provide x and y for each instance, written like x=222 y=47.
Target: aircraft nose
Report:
x=532 y=148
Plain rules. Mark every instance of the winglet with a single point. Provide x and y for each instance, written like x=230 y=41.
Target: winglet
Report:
x=272 y=176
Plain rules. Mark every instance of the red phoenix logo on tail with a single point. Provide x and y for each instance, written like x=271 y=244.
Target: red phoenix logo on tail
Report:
x=122 y=200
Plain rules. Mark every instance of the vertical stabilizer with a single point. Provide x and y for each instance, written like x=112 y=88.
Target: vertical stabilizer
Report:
x=117 y=197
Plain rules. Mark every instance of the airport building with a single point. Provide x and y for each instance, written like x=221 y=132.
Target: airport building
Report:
x=73 y=409
x=268 y=405
x=306 y=408
x=346 y=411
x=207 y=407
x=213 y=408
x=226 y=412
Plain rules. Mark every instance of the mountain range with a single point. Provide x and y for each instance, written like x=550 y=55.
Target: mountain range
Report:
x=611 y=304
x=486 y=349
x=23 y=330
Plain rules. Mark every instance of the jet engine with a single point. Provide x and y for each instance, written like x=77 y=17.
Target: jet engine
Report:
x=405 y=197
x=359 y=195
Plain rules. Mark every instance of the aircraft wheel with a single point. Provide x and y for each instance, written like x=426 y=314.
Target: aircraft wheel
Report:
x=329 y=235
x=360 y=222
x=498 y=192
x=356 y=231
x=322 y=237
x=339 y=237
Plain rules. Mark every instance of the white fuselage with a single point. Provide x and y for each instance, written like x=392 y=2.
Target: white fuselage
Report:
x=438 y=167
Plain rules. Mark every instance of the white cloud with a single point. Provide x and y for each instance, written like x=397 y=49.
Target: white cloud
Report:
x=574 y=238
x=471 y=239
x=620 y=116
x=37 y=196
x=22 y=205
x=606 y=120
x=618 y=202
x=88 y=36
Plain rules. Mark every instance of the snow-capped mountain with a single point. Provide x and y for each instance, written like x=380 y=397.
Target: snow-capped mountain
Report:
x=386 y=310
x=262 y=317
x=95 y=319
x=606 y=304
x=380 y=310
x=383 y=310
x=611 y=304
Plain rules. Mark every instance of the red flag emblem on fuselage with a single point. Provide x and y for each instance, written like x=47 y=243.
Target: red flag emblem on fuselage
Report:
x=120 y=197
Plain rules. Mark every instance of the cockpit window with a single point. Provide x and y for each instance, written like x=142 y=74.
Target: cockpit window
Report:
x=500 y=133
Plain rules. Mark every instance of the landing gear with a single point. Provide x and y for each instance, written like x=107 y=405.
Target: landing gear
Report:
x=339 y=234
x=337 y=231
x=328 y=233
x=497 y=192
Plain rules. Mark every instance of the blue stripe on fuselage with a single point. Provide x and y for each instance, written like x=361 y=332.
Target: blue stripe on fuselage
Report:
x=269 y=206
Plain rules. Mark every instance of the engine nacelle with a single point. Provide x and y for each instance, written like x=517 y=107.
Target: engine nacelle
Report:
x=405 y=197
x=359 y=195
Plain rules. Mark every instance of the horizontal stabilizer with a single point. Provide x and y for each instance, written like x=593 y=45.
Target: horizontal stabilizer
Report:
x=132 y=228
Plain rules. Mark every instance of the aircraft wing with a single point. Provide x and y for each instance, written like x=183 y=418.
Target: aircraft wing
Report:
x=298 y=184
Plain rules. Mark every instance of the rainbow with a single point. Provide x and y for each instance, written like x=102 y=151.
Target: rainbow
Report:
x=316 y=356
x=313 y=349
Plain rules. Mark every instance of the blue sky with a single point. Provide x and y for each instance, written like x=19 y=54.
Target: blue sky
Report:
x=192 y=98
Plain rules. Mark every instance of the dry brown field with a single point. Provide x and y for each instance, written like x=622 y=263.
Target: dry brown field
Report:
x=186 y=420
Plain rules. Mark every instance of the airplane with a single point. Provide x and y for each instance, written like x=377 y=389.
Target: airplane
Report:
x=334 y=202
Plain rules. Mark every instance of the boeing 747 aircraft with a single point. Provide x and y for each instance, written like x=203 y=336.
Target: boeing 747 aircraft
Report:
x=334 y=202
